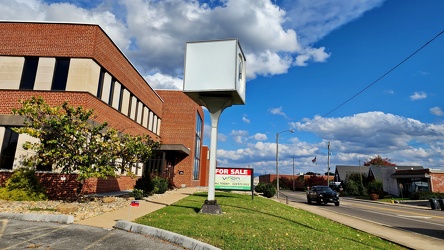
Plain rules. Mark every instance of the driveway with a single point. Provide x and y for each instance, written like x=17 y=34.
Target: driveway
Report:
x=16 y=234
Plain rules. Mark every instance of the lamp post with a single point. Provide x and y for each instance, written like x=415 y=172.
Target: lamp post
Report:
x=293 y=173
x=277 y=158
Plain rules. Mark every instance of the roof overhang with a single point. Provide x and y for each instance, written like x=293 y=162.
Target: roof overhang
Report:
x=179 y=149
x=402 y=176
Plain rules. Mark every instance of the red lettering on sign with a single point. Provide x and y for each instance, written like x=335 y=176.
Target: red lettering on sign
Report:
x=233 y=171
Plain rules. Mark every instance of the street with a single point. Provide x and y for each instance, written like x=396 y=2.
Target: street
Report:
x=422 y=221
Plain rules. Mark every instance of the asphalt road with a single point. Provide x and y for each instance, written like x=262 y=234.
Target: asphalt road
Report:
x=15 y=234
x=422 y=221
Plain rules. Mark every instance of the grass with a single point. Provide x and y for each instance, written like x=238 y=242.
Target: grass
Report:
x=42 y=209
x=258 y=224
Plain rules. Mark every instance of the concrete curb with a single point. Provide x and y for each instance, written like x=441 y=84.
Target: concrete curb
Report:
x=64 y=219
x=175 y=238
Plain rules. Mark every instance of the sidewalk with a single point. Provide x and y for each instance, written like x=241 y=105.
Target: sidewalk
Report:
x=130 y=213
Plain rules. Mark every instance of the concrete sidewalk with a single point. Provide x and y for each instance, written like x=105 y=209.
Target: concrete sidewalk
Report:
x=130 y=213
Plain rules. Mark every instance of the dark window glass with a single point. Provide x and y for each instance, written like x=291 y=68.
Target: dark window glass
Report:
x=111 y=92
x=60 y=74
x=9 y=147
x=197 y=151
x=100 y=84
x=29 y=72
x=122 y=89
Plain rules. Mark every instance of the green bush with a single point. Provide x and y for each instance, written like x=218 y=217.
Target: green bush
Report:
x=160 y=185
x=137 y=193
x=352 y=188
x=21 y=195
x=259 y=188
x=145 y=184
x=152 y=184
x=375 y=187
x=23 y=185
x=269 y=190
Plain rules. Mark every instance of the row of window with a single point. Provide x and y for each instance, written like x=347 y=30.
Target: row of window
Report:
x=117 y=96
x=54 y=74
x=197 y=150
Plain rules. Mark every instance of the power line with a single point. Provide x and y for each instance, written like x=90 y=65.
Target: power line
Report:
x=376 y=81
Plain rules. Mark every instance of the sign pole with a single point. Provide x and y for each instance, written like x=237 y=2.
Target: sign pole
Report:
x=215 y=106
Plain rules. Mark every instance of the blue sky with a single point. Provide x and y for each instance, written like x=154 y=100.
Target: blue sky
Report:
x=312 y=66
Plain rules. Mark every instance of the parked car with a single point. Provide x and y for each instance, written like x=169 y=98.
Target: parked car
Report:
x=322 y=194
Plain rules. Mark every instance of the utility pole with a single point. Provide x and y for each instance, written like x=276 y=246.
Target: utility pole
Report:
x=328 y=172
x=293 y=173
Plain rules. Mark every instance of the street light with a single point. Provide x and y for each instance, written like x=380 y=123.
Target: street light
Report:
x=277 y=158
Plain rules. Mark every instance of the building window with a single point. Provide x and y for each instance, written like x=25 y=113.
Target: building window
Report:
x=29 y=72
x=9 y=147
x=197 y=152
x=60 y=74
x=100 y=84
x=111 y=92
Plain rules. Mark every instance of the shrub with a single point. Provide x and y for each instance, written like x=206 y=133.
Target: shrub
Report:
x=145 y=184
x=352 y=188
x=23 y=185
x=375 y=187
x=269 y=190
x=374 y=196
x=160 y=185
x=137 y=193
x=259 y=188
x=152 y=184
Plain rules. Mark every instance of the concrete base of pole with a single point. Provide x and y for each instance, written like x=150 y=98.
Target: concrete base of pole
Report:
x=211 y=207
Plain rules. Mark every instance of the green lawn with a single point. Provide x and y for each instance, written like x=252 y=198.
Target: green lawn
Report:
x=258 y=224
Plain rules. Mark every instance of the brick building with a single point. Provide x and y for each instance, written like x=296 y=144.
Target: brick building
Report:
x=80 y=64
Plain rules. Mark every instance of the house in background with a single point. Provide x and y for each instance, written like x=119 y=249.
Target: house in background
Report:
x=343 y=172
x=410 y=181
x=80 y=64
x=384 y=175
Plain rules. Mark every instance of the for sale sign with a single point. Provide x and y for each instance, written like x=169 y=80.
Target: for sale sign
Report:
x=234 y=179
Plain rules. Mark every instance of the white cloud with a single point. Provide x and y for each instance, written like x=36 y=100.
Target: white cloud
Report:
x=418 y=96
x=153 y=33
x=245 y=119
x=313 y=21
x=239 y=136
x=277 y=111
x=437 y=111
x=222 y=137
x=260 y=137
x=161 y=81
x=309 y=54
x=353 y=139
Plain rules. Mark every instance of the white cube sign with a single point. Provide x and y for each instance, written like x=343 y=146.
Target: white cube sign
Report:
x=215 y=68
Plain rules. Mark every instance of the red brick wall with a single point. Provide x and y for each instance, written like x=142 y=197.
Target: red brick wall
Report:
x=179 y=127
x=204 y=167
x=95 y=185
x=437 y=181
x=76 y=41
x=65 y=186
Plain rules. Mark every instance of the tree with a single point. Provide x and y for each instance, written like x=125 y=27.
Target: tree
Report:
x=69 y=141
x=378 y=160
x=311 y=173
x=315 y=180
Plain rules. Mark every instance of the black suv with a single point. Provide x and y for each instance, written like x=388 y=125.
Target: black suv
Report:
x=322 y=194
